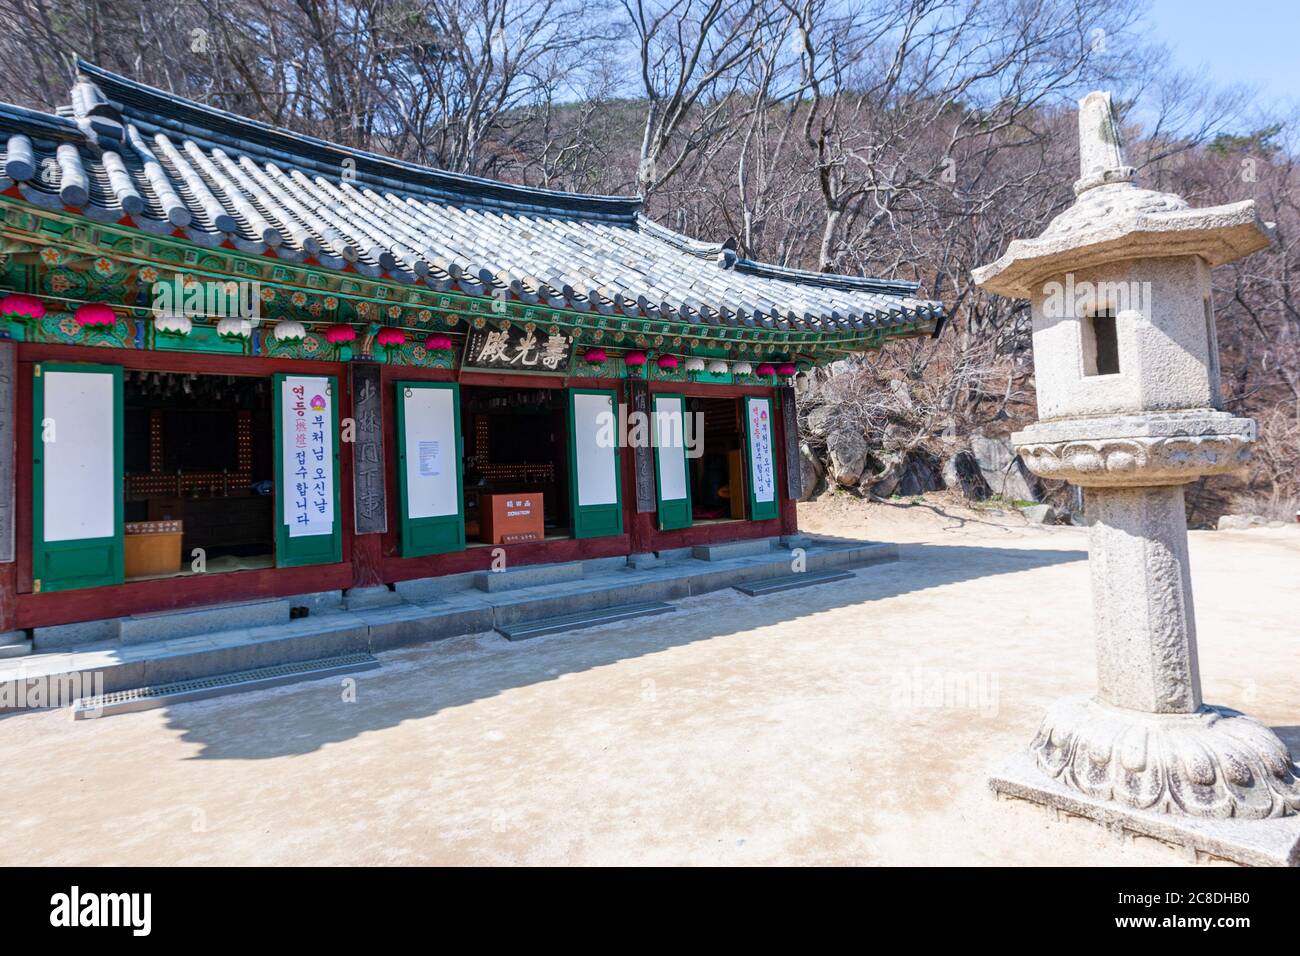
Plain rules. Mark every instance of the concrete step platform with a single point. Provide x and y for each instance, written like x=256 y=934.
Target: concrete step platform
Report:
x=791 y=581
x=572 y=622
x=528 y=576
x=164 y=695
x=165 y=625
x=602 y=594
x=732 y=549
x=14 y=644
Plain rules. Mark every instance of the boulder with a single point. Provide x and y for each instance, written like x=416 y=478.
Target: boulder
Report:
x=1240 y=522
x=1039 y=514
x=821 y=421
x=961 y=473
x=847 y=451
x=919 y=475
x=1003 y=470
x=810 y=473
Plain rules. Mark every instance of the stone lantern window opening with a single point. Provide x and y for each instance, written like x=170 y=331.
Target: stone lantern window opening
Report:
x=1100 y=343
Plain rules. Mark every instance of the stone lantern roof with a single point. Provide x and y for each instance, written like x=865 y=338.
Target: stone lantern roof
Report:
x=1114 y=219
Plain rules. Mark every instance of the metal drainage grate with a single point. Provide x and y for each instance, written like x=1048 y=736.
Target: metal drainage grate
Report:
x=160 y=695
x=789 y=582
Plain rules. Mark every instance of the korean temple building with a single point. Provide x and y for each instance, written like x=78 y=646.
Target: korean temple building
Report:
x=247 y=364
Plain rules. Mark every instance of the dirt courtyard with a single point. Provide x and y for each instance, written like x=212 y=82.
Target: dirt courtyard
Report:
x=852 y=723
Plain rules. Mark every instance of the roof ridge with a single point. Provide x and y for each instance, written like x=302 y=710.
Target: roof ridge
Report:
x=161 y=108
x=829 y=280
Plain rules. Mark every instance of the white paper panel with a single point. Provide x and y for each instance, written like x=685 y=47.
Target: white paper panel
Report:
x=307 y=444
x=670 y=443
x=80 y=474
x=431 y=459
x=595 y=435
x=760 y=448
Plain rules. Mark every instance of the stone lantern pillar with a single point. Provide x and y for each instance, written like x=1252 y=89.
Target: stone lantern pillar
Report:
x=1126 y=366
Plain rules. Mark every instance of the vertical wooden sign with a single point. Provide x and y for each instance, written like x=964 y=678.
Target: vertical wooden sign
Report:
x=790 y=425
x=7 y=401
x=643 y=465
x=370 y=506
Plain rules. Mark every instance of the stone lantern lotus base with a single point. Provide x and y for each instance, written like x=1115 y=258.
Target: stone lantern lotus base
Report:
x=1271 y=841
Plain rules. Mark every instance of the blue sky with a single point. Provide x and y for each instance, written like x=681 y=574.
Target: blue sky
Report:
x=1238 y=41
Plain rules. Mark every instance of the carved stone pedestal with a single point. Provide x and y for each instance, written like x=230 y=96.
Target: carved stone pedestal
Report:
x=1146 y=755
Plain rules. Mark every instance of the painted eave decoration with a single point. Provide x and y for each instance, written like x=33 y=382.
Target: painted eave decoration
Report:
x=163 y=187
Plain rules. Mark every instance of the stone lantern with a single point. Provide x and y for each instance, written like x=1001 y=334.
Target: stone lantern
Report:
x=1127 y=373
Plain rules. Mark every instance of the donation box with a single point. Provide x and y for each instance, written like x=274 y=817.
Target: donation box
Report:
x=510 y=518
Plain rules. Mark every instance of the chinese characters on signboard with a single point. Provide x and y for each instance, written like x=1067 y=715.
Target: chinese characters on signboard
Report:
x=308 y=455
x=370 y=511
x=6 y=453
x=518 y=349
x=760 y=448
x=790 y=416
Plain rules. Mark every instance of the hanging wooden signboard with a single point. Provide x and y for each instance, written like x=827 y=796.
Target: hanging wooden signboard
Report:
x=790 y=424
x=516 y=349
x=369 y=494
x=6 y=453
x=643 y=466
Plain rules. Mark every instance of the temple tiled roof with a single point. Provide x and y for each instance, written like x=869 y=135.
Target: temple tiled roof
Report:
x=125 y=152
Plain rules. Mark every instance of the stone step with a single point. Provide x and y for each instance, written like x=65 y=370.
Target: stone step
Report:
x=167 y=625
x=528 y=576
x=732 y=549
x=14 y=644
x=788 y=582
x=164 y=695
x=360 y=599
x=572 y=622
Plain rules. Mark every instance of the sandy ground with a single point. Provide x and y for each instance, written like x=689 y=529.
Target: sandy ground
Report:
x=847 y=724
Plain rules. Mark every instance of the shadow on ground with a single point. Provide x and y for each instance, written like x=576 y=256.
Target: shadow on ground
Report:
x=423 y=680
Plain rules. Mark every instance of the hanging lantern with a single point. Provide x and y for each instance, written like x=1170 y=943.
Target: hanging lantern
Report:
x=288 y=330
x=742 y=368
x=18 y=306
x=340 y=334
x=634 y=359
x=95 y=313
x=172 y=324
x=594 y=356
x=234 y=328
x=695 y=365
x=767 y=368
x=438 y=343
x=391 y=337
x=717 y=367
x=787 y=368
x=667 y=361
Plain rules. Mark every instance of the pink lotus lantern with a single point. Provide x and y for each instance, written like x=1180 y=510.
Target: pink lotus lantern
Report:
x=634 y=359
x=390 y=337
x=594 y=356
x=438 y=343
x=667 y=361
x=340 y=334
x=786 y=368
x=95 y=314
x=18 y=306
x=767 y=368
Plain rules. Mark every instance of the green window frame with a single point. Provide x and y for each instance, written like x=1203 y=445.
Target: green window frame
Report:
x=595 y=520
x=439 y=534
x=293 y=552
x=673 y=513
x=84 y=562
